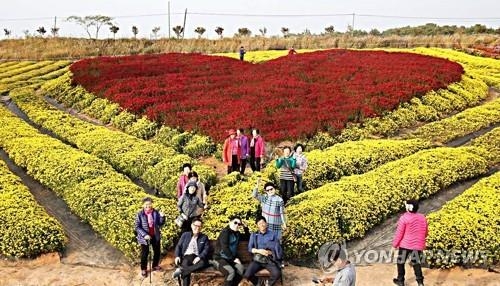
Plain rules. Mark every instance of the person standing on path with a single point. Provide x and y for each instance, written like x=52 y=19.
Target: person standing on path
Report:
x=201 y=192
x=245 y=149
x=286 y=164
x=273 y=207
x=409 y=240
x=257 y=150
x=231 y=152
x=188 y=205
x=300 y=167
x=148 y=222
x=183 y=179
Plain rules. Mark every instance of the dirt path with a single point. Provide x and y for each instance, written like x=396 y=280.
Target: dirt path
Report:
x=85 y=247
x=47 y=270
x=493 y=94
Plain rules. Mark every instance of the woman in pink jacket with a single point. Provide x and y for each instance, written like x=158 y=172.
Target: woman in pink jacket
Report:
x=257 y=150
x=410 y=241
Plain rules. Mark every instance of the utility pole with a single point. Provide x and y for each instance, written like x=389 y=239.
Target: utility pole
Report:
x=352 y=32
x=184 y=26
x=55 y=27
x=168 y=19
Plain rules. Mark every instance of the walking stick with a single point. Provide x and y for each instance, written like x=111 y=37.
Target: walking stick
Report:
x=150 y=261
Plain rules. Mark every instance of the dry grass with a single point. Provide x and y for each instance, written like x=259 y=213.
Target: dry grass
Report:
x=36 y=48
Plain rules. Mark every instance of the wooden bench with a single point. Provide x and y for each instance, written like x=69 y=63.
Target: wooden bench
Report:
x=204 y=276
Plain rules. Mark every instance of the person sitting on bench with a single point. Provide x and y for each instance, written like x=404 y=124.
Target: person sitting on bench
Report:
x=265 y=246
x=191 y=252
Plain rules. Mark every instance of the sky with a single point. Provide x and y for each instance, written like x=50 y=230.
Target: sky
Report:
x=313 y=15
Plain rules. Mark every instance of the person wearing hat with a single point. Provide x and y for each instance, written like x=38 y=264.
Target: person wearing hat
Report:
x=231 y=152
x=273 y=207
x=188 y=205
x=148 y=222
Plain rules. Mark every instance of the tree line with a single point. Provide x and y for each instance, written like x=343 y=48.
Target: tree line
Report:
x=93 y=24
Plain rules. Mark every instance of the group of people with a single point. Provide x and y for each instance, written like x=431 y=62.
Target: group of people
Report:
x=238 y=148
x=192 y=250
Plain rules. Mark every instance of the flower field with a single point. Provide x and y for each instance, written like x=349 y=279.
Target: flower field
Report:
x=287 y=98
x=350 y=105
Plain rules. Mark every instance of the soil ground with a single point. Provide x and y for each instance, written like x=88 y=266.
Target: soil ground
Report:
x=49 y=270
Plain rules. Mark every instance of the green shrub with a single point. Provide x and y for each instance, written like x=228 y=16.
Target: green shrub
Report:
x=27 y=230
x=467 y=224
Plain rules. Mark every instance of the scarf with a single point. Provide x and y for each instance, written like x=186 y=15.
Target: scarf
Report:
x=151 y=222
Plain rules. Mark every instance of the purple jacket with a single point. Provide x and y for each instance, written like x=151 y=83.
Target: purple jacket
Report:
x=141 y=226
x=245 y=147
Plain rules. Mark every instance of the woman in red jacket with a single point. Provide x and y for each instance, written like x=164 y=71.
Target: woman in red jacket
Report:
x=231 y=152
x=410 y=241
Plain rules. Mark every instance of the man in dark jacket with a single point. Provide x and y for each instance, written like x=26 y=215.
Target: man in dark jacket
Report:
x=191 y=252
x=225 y=254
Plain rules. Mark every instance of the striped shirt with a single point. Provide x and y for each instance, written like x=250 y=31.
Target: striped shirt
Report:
x=273 y=209
x=286 y=165
x=411 y=232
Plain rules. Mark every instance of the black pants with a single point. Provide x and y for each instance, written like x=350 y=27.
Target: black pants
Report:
x=232 y=272
x=255 y=163
x=145 y=253
x=415 y=258
x=234 y=167
x=287 y=189
x=243 y=165
x=188 y=267
x=254 y=267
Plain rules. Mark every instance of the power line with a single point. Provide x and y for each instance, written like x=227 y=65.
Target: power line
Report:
x=274 y=16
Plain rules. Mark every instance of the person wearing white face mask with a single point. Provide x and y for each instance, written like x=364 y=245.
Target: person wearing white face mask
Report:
x=409 y=240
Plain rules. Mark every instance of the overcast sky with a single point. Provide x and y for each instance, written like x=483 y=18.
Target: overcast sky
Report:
x=18 y=15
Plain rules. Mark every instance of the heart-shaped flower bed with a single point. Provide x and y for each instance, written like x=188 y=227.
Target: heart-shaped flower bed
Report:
x=287 y=98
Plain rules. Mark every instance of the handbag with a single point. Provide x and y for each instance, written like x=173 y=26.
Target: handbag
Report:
x=262 y=259
x=291 y=171
x=257 y=257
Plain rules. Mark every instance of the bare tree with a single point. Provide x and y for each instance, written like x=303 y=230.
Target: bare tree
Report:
x=114 y=29
x=263 y=31
x=41 y=31
x=219 y=31
x=26 y=33
x=244 y=32
x=178 y=30
x=330 y=30
x=200 y=31
x=7 y=32
x=155 y=32
x=90 y=22
x=285 y=31
x=54 y=31
x=135 y=31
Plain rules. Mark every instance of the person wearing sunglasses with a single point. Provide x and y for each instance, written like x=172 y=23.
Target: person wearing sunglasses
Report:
x=191 y=252
x=225 y=254
x=273 y=207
